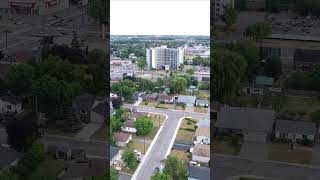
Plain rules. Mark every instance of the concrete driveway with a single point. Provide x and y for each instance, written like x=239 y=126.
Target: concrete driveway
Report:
x=254 y=151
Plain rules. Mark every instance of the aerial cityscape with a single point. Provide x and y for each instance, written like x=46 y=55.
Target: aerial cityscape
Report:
x=265 y=89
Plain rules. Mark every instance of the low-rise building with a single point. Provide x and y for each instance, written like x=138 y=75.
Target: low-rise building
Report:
x=165 y=98
x=152 y=97
x=201 y=153
x=122 y=139
x=202 y=103
x=295 y=131
x=128 y=126
x=202 y=135
x=187 y=100
x=10 y=104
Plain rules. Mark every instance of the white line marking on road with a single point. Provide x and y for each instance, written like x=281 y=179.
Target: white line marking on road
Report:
x=149 y=149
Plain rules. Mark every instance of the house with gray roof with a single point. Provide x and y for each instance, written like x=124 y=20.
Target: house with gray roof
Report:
x=187 y=100
x=202 y=102
x=198 y=172
x=295 y=131
x=252 y=124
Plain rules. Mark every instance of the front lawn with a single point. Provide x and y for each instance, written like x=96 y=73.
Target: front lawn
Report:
x=184 y=156
x=180 y=107
x=247 y=101
x=203 y=95
x=101 y=133
x=200 y=110
x=282 y=152
x=157 y=118
x=225 y=147
x=49 y=169
x=187 y=130
x=148 y=103
x=165 y=106
x=137 y=145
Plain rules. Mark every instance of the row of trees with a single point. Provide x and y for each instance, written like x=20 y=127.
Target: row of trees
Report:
x=201 y=61
x=174 y=168
x=309 y=81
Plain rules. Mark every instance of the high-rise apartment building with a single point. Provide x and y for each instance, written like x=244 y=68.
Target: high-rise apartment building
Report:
x=219 y=6
x=164 y=58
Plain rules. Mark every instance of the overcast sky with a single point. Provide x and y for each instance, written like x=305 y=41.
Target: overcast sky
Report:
x=160 y=17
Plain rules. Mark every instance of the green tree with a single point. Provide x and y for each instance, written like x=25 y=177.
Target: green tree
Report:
x=178 y=84
x=99 y=10
x=181 y=66
x=124 y=88
x=143 y=125
x=175 y=168
x=115 y=123
x=20 y=79
x=142 y=63
x=129 y=158
x=273 y=67
x=8 y=174
x=161 y=176
x=190 y=71
x=229 y=68
x=230 y=16
x=259 y=30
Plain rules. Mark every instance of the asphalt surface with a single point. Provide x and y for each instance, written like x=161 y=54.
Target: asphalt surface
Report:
x=162 y=144
x=226 y=167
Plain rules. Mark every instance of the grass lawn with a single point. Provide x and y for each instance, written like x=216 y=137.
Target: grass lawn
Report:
x=148 y=103
x=200 y=110
x=203 y=95
x=156 y=118
x=139 y=146
x=282 y=152
x=49 y=169
x=247 y=101
x=186 y=135
x=149 y=136
x=59 y=130
x=165 y=106
x=180 y=155
x=301 y=107
x=179 y=107
x=101 y=133
x=225 y=147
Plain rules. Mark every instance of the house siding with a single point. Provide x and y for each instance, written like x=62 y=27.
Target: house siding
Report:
x=200 y=159
x=290 y=136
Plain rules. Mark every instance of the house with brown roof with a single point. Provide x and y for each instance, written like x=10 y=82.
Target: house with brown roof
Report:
x=201 y=153
x=122 y=139
x=152 y=97
x=202 y=135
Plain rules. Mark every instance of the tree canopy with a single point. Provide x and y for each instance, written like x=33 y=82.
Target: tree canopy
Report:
x=129 y=158
x=143 y=125
x=175 y=168
x=259 y=30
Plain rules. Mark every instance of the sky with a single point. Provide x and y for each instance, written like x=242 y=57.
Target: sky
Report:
x=160 y=17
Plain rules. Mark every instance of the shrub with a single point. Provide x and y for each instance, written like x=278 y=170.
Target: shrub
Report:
x=189 y=122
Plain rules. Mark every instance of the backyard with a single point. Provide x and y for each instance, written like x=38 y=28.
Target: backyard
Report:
x=187 y=129
x=139 y=146
x=184 y=156
x=158 y=119
x=283 y=153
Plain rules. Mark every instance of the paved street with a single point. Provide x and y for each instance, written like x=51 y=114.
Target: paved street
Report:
x=163 y=143
x=226 y=167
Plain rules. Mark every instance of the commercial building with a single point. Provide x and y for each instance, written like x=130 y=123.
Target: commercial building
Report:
x=33 y=7
x=164 y=58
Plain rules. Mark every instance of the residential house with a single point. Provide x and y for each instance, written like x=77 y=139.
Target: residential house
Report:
x=128 y=126
x=83 y=169
x=201 y=153
x=187 y=100
x=198 y=173
x=87 y=106
x=122 y=139
x=252 y=124
x=8 y=157
x=99 y=113
x=203 y=123
x=264 y=81
x=152 y=97
x=202 y=103
x=295 y=131
x=306 y=59
x=10 y=104
x=202 y=135
x=165 y=99
x=115 y=156
x=182 y=145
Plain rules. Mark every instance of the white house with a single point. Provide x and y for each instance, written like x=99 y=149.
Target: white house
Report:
x=9 y=104
x=295 y=130
x=201 y=153
x=202 y=135
x=122 y=139
x=128 y=126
